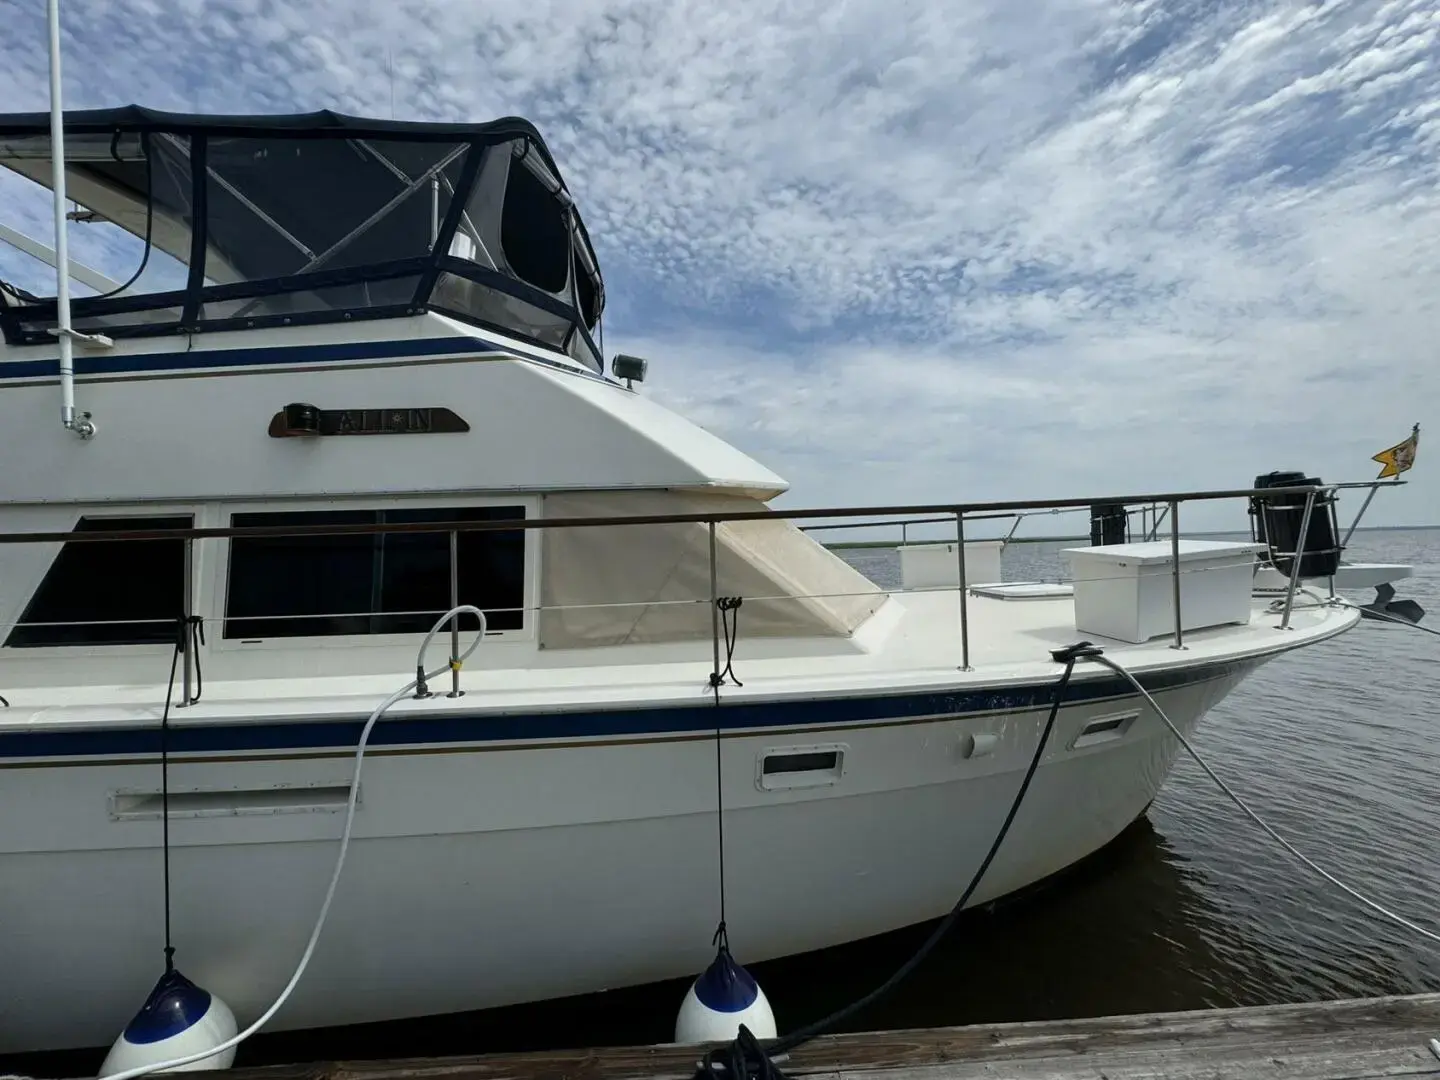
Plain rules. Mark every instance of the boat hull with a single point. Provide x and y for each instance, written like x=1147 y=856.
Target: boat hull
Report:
x=488 y=875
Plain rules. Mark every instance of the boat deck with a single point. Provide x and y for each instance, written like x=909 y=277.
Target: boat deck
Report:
x=1339 y=1040
x=912 y=645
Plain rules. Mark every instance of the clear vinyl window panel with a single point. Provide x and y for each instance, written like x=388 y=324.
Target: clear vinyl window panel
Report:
x=534 y=232
x=586 y=294
x=358 y=296
x=378 y=583
x=109 y=592
x=158 y=317
x=277 y=207
x=489 y=306
x=130 y=223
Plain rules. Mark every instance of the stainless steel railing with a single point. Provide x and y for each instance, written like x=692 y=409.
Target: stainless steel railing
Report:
x=1154 y=508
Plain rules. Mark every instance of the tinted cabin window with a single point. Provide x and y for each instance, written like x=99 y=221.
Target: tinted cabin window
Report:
x=533 y=233
x=109 y=592
x=394 y=583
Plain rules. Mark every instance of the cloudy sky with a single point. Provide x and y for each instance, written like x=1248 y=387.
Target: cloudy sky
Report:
x=939 y=251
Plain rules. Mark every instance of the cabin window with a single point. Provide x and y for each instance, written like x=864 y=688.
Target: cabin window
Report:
x=533 y=231
x=379 y=583
x=109 y=592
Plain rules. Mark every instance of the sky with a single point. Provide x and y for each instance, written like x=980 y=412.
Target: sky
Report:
x=906 y=252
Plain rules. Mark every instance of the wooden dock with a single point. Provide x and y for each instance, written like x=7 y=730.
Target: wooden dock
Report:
x=1340 y=1040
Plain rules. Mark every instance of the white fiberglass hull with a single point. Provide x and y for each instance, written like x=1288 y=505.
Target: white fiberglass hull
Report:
x=492 y=875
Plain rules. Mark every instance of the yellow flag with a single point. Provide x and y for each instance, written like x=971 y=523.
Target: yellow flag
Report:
x=1399 y=457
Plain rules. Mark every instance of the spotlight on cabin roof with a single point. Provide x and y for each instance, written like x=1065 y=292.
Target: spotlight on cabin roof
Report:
x=629 y=368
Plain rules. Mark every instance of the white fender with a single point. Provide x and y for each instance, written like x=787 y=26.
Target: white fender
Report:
x=719 y=1001
x=178 y=1018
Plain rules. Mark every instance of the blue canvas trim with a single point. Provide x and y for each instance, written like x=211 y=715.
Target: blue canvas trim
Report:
x=313 y=735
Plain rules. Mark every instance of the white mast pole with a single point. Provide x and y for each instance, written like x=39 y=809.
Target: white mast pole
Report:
x=62 y=255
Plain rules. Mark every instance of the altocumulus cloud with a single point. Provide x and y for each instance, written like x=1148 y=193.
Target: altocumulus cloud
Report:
x=909 y=251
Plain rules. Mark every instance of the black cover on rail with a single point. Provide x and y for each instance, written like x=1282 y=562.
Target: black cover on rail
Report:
x=1108 y=523
x=1278 y=519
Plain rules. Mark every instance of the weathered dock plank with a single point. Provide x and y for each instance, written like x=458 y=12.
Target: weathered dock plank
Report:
x=1336 y=1040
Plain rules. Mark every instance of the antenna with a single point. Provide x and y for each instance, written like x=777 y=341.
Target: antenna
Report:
x=82 y=427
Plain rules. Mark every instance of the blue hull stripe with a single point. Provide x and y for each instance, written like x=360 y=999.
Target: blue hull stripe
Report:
x=269 y=356
x=542 y=727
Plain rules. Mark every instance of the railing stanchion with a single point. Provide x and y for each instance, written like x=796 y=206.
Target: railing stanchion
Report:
x=1175 y=571
x=1299 y=558
x=714 y=611
x=964 y=591
x=1360 y=514
x=455 y=690
x=187 y=635
x=1014 y=527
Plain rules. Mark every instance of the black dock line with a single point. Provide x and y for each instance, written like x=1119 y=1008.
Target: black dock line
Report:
x=183 y=630
x=746 y=1059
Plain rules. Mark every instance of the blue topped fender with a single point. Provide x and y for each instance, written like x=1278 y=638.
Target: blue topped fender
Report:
x=174 y=1005
x=725 y=986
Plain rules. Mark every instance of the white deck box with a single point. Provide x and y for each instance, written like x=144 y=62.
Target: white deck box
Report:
x=932 y=566
x=1126 y=591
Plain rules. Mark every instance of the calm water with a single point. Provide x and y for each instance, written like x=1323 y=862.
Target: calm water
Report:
x=1194 y=907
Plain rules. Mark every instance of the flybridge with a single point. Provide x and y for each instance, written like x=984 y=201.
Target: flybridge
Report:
x=316 y=218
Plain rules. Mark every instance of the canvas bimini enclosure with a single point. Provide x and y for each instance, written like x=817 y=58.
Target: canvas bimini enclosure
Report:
x=318 y=217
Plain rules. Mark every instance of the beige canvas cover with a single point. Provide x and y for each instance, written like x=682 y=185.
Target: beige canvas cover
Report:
x=611 y=585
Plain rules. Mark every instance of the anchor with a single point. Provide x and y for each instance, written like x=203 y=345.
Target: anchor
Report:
x=1385 y=607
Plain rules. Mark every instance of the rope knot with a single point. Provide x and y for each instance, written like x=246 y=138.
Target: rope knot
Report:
x=730 y=623
x=742 y=1059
